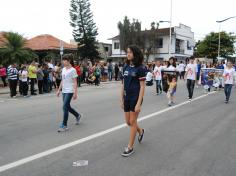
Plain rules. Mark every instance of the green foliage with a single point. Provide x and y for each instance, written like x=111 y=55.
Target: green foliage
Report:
x=209 y=46
x=14 y=49
x=132 y=34
x=85 y=30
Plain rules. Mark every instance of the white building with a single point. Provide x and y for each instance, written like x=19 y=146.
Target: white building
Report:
x=182 y=44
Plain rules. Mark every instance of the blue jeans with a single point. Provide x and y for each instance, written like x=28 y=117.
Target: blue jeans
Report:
x=158 y=86
x=228 y=88
x=190 y=87
x=110 y=75
x=67 y=108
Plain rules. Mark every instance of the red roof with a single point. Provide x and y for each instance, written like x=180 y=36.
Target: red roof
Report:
x=47 y=42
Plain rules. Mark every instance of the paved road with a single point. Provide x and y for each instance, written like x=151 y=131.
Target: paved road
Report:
x=191 y=139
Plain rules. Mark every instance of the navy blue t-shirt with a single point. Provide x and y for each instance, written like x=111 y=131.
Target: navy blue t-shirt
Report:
x=131 y=79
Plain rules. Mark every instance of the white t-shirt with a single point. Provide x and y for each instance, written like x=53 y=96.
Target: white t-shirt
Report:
x=181 y=67
x=24 y=76
x=191 y=71
x=229 y=74
x=171 y=68
x=67 y=80
x=157 y=72
x=149 y=76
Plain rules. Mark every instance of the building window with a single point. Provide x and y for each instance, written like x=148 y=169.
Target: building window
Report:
x=106 y=49
x=159 y=43
x=188 y=46
x=116 y=45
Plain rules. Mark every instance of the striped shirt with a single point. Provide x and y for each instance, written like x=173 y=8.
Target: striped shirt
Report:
x=12 y=73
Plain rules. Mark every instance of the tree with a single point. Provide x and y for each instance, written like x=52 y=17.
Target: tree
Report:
x=85 y=30
x=151 y=36
x=130 y=33
x=209 y=46
x=14 y=49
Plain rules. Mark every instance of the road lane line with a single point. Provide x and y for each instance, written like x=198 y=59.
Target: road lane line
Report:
x=88 y=138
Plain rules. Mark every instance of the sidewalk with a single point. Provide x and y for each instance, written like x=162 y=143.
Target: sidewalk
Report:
x=6 y=90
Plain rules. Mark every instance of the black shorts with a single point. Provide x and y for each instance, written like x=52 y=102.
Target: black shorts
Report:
x=129 y=105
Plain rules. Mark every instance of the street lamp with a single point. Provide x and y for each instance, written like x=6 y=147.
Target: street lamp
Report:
x=221 y=21
x=170 y=21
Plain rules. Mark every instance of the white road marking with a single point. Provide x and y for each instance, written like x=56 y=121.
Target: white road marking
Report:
x=89 y=138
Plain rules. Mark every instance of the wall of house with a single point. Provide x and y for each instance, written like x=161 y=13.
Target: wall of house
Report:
x=116 y=51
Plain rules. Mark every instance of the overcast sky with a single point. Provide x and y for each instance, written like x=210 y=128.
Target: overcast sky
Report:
x=34 y=17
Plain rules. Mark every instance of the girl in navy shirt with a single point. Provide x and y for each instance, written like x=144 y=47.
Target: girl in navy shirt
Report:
x=132 y=92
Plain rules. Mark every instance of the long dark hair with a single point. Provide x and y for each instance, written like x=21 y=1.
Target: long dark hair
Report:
x=138 y=56
x=174 y=62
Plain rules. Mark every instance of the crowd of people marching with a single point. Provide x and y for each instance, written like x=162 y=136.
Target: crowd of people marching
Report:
x=165 y=75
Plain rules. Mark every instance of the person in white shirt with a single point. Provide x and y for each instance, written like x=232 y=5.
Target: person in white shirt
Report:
x=158 y=77
x=181 y=69
x=228 y=80
x=69 y=90
x=191 y=75
x=24 y=81
x=149 y=78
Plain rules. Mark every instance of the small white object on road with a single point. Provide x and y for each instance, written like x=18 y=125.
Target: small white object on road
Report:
x=80 y=163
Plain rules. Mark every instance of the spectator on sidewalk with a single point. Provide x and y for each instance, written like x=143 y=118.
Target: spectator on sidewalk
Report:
x=78 y=70
x=40 y=76
x=57 y=73
x=116 y=72
x=24 y=81
x=97 y=74
x=12 y=74
x=20 y=79
x=45 y=78
x=3 y=75
x=32 y=76
x=110 y=71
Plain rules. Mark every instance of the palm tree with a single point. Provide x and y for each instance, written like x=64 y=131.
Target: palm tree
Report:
x=14 y=49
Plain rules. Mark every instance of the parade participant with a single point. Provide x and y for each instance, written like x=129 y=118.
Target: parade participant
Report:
x=132 y=92
x=229 y=80
x=170 y=73
x=158 y=77
x=172 y=90
x=181 y=70
x=69 y=91
x=191 y=75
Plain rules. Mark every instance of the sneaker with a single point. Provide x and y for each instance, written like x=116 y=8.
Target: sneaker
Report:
x=140 y=137
x=190 y=99
x=226 y=101
x=127 y=152
x=62 y=129
x=78 y=119
x=169 y=104
x=14 y=97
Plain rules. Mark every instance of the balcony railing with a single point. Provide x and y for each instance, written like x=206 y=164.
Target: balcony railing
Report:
x=179 y=51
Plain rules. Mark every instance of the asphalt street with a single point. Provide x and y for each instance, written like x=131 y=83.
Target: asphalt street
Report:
x=191 y=139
